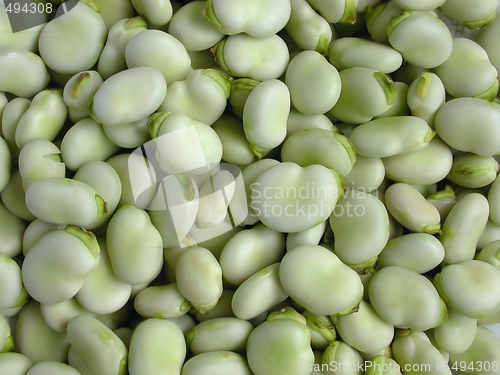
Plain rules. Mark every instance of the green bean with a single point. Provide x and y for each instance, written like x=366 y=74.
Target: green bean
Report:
x=25 y=39
x=235 y=147
x=5 y=163
x=156 y=346
x=199 y=278
x=307 y=28
x=186 y=145
x=460 y=113
x=97 y=345
x=137 y=176
x=322 y=330
x=129 y=135
x=52 y=367
x=400 y=105
x=473 y=14
x=473 y=171
x=264 y=121
x=53 y=200
x=134 y=246
x=290 y=198
x=314 y=84
x=26 y=72
x=412 y=349
x=68 y=271
x=470 y=288
x=365 y=330
x=250 y=251
x=335 y=11
x=112 y=58
x=149 y=90
x=240 y=89
x=310 y=236
x=260 y=58
x=462 y=228
x=350 y=52
x=36 y=340
x=106 y=182
x=419 y=252
x=421 y=310
x=468 y=71
x=486 y=39
x=6 y=340
x=14 y=363
x=359 y=212
x=113 y=11
x=341 y=358
x=40 y=159
x=216 y=363
x=190 y=27
x=288 y=337
x=443 y=200
x=102 y=292
x=421 y=38
x=85 y=142
x=73 y=41
x=377 y=19
x=43 y=119
x=13 y=293
x=165 y=301
x=220 y=334
x=315 y=294
x=456 y=334
x=419 y=5
x=258 y=18
x=391 y=136
x=161 y=51
x=411 y=209
x=484 y=349
x=318 y=146
x=57 y=315
x=359 y=84
x=202 y=95
x=426 y=95
x=259 y=293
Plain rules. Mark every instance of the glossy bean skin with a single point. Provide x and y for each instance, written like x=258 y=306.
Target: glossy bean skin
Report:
x=66 y=34
x=388 y=285
x=49 y=256
x=477 y=300
x=156 y=346
x=127 y=247
x=314 y=296
x=43 y=196
x=149 y=91
x=357 y=212
x=27 y=72
x=258 y=19
x=480 y=139
x=273 y=336
x=460 y=234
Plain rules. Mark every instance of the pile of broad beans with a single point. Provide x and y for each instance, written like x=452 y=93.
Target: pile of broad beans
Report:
x=232 y=187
